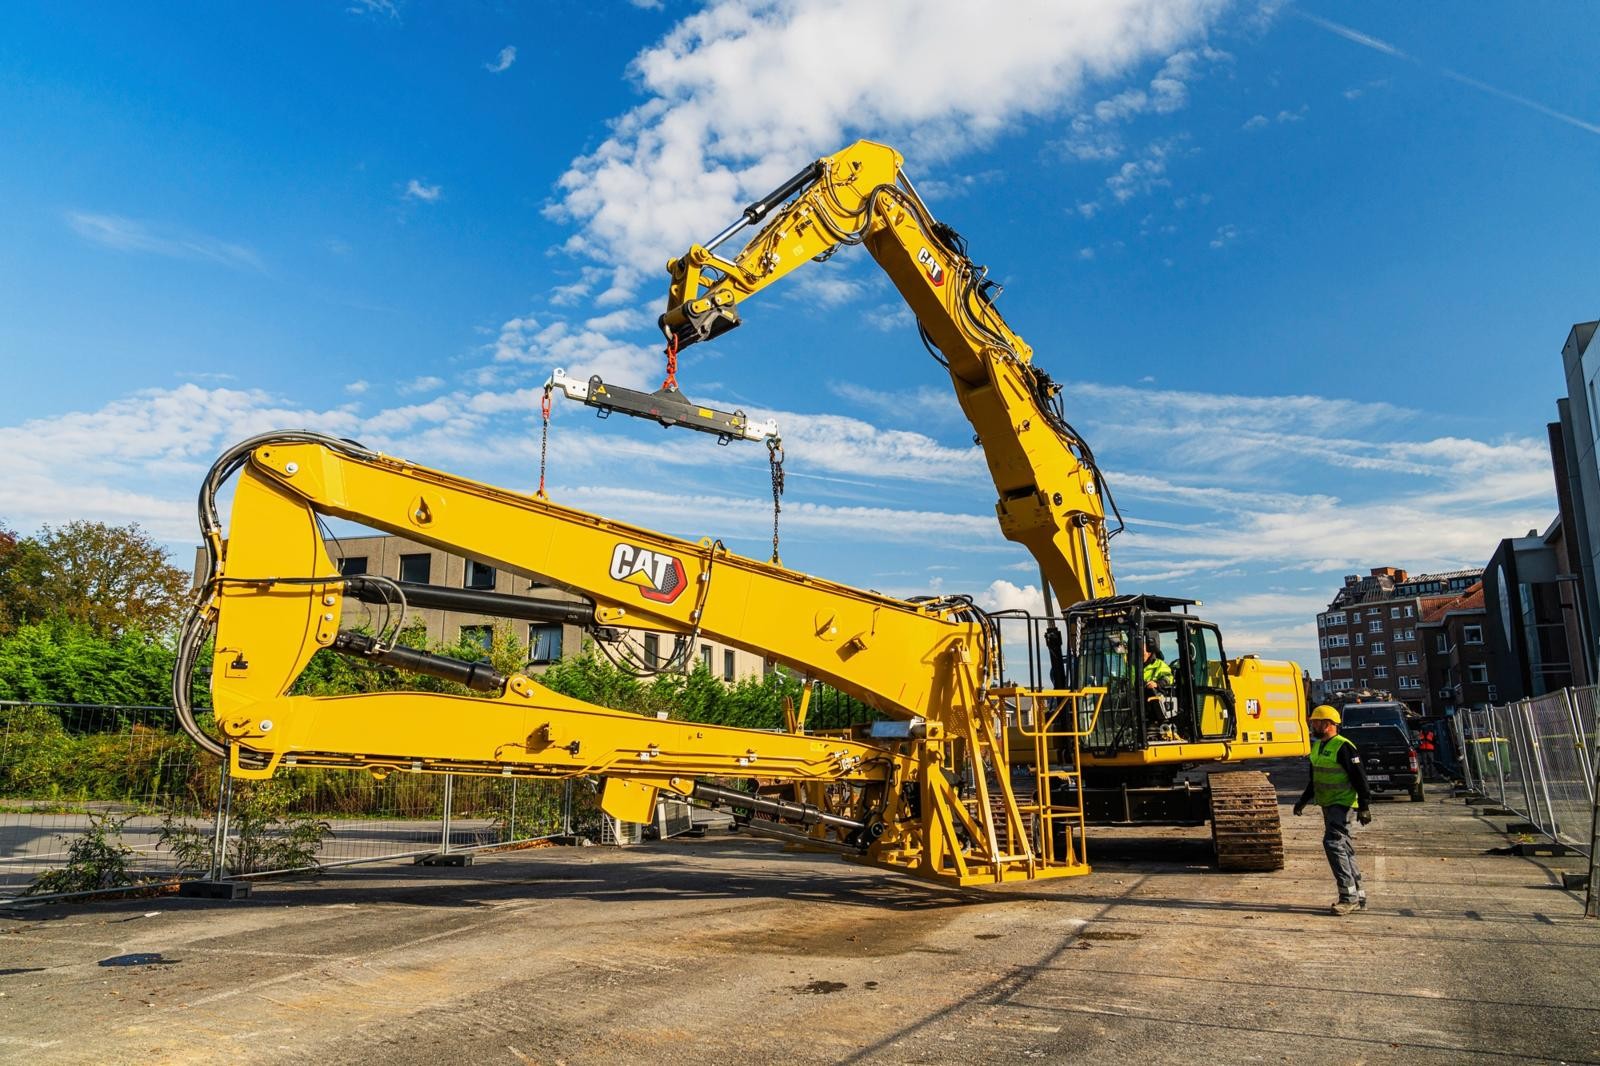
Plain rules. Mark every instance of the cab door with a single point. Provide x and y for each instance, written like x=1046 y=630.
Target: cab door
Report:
x=1207 y=669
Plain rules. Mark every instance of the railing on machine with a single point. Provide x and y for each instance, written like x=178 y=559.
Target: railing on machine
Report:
x=1035 y=717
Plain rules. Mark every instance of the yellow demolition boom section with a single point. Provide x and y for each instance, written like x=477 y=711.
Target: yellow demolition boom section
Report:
x=930 y=795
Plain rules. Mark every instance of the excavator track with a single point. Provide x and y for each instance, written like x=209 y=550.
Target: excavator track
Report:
x=1244 y=821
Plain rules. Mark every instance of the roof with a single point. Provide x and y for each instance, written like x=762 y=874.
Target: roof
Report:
x=1434 y=608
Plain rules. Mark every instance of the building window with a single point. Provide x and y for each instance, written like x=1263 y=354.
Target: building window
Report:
x=652 y=649
x=1337 y=619
x=1361 y=638
x=1377 y=648
x=352 y=565
x=1407 y=681
x=1375 y=627
x=416 y=568
x=1361 y=661
x=1410 y=611
x=544 y=643
x=1472 y=634
x=1478 y=674
x=1411 y=658
x=1441 y=644
x=479 y=576
x=1361 y=681
x=1380 y=672
x=482 y=636
x=705 y=656
x=1394 y=612
x=727 y=664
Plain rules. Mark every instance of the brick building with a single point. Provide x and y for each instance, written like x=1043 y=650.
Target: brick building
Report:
x=407 y=560
x=1456 y=653
x=1368 y=633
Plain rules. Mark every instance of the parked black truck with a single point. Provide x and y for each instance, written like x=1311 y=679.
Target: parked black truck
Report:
x=1389 y=757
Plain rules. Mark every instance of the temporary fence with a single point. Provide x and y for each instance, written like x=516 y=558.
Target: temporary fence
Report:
x=1536 y=757
x=94 y=795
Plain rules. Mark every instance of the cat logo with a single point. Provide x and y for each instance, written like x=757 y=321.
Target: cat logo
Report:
x=931 y=265
x=659 y=577
x=1252 y=708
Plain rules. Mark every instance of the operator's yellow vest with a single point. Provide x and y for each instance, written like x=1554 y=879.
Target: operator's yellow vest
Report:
x=1333 y=787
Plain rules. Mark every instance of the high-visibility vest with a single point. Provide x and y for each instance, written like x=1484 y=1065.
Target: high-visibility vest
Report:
x=1158 y=671
x=1427 y=740
x=1333 y=787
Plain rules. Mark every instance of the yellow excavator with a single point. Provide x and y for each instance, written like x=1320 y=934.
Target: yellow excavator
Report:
x=966 y=779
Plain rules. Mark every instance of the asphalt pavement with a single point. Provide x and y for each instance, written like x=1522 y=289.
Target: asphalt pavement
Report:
x=729 y=949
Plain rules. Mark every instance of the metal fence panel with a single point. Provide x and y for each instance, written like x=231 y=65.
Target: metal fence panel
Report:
x=1566 y=783
x=66 y=769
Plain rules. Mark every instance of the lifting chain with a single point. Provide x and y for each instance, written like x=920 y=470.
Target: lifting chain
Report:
x=775 y=461
x=544 y=436
x=671 y=382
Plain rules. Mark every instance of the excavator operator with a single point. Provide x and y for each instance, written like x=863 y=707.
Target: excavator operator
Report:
x=1158 y=679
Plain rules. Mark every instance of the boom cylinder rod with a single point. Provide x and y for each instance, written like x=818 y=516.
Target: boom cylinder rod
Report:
x=472 y=601
x=758 y=210
x=804 y=813
x=480 y=677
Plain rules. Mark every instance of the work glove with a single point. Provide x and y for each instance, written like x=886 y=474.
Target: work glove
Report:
x=1299 y=809
x=1364 y=817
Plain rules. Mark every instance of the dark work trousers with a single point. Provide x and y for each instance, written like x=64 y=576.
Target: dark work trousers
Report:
x=1341 y=851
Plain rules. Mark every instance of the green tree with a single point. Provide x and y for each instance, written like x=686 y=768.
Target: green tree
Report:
x=66 y=662
x=108 y=578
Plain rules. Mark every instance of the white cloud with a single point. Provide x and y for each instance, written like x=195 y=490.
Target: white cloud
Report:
x=1226 y=235
x=132 y=235
x=418 y=190
x=1256 y=122
x=1139 y=177
x=1002 y=595
x=718 y=127
x=890 y=318
x=422 y=384
x=503 y=61
x=1085 y=253
x=386 y=8
x=625 y=318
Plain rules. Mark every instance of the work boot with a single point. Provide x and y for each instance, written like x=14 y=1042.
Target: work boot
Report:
x=1361 y=901
x=1344 y=907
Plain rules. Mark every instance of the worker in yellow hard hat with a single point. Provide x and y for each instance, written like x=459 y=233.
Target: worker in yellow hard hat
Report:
x=1339 y=786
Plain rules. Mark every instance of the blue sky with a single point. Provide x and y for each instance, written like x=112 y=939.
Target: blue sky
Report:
x=1305 y=269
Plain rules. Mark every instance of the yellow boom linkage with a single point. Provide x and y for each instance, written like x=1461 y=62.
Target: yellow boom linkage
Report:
x=1049 y=494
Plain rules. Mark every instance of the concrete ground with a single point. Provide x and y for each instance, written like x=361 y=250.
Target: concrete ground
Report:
x=732 y=950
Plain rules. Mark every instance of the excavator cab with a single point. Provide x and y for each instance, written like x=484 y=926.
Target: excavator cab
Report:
x=1178 y=695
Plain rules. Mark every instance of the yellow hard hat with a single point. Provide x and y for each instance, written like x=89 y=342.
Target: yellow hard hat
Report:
x=1326 y=714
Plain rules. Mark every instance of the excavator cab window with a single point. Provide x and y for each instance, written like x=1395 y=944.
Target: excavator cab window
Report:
x=1103 y=656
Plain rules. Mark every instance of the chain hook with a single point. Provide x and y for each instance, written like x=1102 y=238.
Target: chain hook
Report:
x=544 y=436
x=775 y=461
